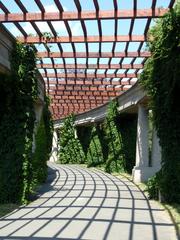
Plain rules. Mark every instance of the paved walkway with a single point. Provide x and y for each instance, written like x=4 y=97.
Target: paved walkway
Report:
x=78 y=203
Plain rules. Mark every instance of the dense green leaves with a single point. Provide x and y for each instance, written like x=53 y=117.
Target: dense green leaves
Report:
x=18 y=92
x=127 y=127
x=70 y=148
x=161 y=79
x=95 y=151
x=115 y=159
x=16 y=125
x=43 y=138
x=110 y=144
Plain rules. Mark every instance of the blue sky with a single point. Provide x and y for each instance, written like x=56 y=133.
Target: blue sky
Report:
x=86 y=4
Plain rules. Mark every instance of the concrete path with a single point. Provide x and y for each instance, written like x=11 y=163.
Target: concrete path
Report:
x=78 y=203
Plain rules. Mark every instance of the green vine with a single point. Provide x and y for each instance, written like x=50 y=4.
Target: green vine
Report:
x=112 y=143
x=95 y=151
x=161 y=80
x=115 y=159
x=127 y=127
x=43 y=145
x=18 y=93
x=70 y=148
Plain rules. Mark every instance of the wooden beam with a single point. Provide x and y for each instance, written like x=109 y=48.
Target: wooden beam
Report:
x=90 y=66
x=85 y=15
x=89 y=75
x=92 y=54
x=82 y=39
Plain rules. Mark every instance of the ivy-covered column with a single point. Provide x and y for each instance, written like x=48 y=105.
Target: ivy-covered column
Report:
x=142 y=154
x=156 y=152
x=54 y=152
x=38 y=108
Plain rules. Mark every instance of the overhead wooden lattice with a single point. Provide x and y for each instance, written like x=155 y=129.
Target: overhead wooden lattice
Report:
x=83 y=69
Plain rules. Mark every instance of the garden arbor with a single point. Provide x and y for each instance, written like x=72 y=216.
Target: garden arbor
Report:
x=81 y=78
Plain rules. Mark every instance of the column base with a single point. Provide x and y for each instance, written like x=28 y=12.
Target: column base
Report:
x=141 y=174
x=54 y=155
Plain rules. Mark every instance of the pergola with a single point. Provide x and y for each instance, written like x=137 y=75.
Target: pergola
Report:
x=79 y=80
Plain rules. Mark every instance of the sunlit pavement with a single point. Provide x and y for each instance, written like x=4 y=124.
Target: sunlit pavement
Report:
x=78 y=203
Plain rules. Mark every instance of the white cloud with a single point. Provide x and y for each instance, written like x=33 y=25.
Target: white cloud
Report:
x=53 y=8
x=76 y=29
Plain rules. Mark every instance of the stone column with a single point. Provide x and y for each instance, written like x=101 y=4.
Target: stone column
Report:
x=54 y=152
x=38 y=108
x=75 y=133
x=156 y=152
x=142 y=154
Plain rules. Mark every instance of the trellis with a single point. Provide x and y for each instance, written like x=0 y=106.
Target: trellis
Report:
x=71 y=87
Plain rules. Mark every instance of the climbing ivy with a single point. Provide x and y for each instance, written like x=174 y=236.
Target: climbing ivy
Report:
x=70 y=148
x=43 y=144
x=161 y=80
x=127 y=128
x=48 y=124
x=84 y=136
x=95 y=151
x=115 y=159
x=18 y=93
x=115 y=136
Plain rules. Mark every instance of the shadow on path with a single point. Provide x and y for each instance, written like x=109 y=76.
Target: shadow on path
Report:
x=78 y=203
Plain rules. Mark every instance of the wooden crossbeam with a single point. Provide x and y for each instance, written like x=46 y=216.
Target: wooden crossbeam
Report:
x=92 y=54
x=83 y=39
x=90 y=66
x=89 y=75
x=85 y=15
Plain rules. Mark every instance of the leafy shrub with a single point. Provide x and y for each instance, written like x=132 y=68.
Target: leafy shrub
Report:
x=153 y=187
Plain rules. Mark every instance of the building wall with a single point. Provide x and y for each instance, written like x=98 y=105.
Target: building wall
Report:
x=6 y=44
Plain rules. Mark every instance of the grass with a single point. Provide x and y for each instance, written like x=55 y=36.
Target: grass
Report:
x=174 y=211
x=7 y=208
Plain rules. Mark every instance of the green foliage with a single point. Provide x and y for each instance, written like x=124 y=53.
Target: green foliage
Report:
x=127 y=127
x=153 y=188
x=23 y=66
x=7 y=208
x=43 y=144
x=84 y=136
x=40 y=155
x=18 y=92
x=161 y=80
x=70 y=148
x=115 y=159
x=111 y=143
x=48 y=124
x=95 y=151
